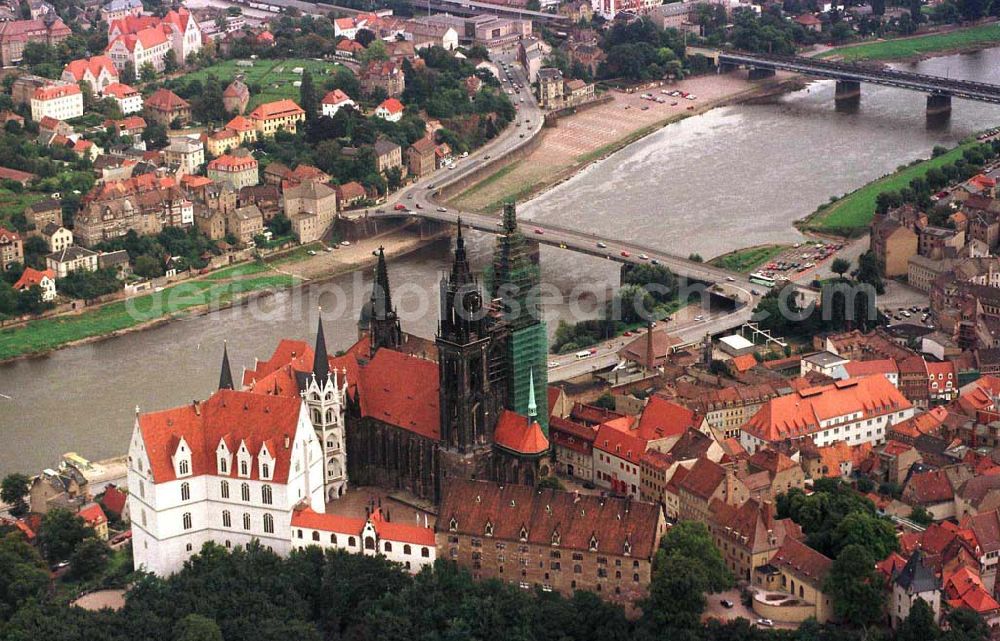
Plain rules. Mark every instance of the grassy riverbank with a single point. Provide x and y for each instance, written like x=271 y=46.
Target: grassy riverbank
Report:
x=920 y=46
x=746 y=260
x=219 y=291
x=853 y=213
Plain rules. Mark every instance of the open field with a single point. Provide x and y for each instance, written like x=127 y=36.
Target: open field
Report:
x=918 y=46
x=274 y=76
x=746 y=260
x=854 y=212
x=46 y=334
x=594 y=133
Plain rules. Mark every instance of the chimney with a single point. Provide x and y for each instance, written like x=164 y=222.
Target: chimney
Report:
x=197 y=407
x=288 y=441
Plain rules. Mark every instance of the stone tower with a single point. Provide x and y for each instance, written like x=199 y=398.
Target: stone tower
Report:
x=324 y=392
x=515 y=284
x=383 y=322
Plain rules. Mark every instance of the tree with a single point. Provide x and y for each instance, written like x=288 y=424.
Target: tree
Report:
x=921 y=516
x=89 y=558
x=170 y=61
x=14 y=488
x=195 y=627
x=364 y=37
x=965 y=625
x=307 y=96
x=550 y=483
x=696 y=258
x=919 y=625
x=840 y=266
x=147 y=72
x=60 y=533
x=855 y=586
x=870 y=531
x=23 y=575
x=375 y=52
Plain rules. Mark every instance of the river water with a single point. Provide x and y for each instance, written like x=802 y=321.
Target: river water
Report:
x=732 y=177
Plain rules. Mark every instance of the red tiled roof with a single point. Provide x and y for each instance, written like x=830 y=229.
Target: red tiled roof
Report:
x=680 y=473
x=703 y=479
x=391 y=105
x=351 y=191
x=800 y=413
x=621 y=443
x=227 y=162
x=278 y=109
x=401 y=390
x=114 y=500
x=867 y=368
x=95 y=64
x=31 y=277
x=928 y=487
x=54 y=92
x=517 y=434
x=402 y=532
x=119 y=90
x=240 y=124
x=93 y=515
x=744 y=362
x=166 y=100
x=802 y=561
x=662 y=418
x=544 y=514
x=234 y=416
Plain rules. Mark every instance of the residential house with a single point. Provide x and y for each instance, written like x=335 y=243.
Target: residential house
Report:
x=61 y=102
x=131 y=126
x=387 y=76
x=210 y=221
x=238 y=169
x=893 y=243
x=11 y=248
x=44 y=279
x=280 y=114
x=70 y=260
x=64 y=488
x=748 y=535
x=164 y=107
x=244 y=223
x=420 y=157
x=390 y=109
x=186 y=154
x=350 y=193
x=388 y=155
x=43 y=212
x=93 y=515
x=334 y=101
x=56 y=237
x=135 y=50
x=117 y=261
x=129 y=100
x=118 y=9
x=311 y=206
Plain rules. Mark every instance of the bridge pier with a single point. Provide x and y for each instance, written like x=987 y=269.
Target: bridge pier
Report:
x=760 y=73
x=938 y=104
x=847 y=90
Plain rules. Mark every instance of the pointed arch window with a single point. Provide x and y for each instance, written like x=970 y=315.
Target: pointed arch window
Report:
x=187 y=520
x=246 y=520
x=224 y=489
x=185 y=491
x=227 y=519
x=184 y=468
x=245 y=491
x=266 y=495
x=268 y=524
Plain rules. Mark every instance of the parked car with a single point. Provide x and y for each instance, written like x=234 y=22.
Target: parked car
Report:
x=539 y=231
x=765 y=623
x=625 y=254
x=400 y=207
x=601 y=245
x=726 y=603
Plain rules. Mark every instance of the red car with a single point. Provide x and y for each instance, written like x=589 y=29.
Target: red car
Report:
x=538 y=231
x=625 y=254
x=400 y=207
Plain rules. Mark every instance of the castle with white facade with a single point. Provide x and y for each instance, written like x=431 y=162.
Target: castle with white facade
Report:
x=243 y=466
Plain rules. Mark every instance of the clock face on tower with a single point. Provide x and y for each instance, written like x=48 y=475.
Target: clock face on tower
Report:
x=471 y=304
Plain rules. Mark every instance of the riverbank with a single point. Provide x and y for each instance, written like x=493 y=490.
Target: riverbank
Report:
x=748 y=259
x=912 y=48
x=223 y=289
x=850 y=215
x=577 y=141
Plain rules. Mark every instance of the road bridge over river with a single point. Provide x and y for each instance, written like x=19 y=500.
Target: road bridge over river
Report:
x=850 y=75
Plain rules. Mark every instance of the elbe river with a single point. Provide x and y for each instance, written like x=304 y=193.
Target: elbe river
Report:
x=733 y=177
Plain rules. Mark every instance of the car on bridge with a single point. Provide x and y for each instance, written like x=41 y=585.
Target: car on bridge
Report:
x=400 y=207
x=601 y=245
x=539 y=231
x=442 y=209
x=625 y=254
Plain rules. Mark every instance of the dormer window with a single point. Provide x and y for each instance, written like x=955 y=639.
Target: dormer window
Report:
x=523 y=535
x=453 y=525
x=182 y=459
x=555 y=537
x=627 y=548
x=593 y=543
x=223 y=465
x=489 y=528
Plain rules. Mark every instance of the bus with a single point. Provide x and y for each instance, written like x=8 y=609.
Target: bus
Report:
x=584 y=354
x=761 y=279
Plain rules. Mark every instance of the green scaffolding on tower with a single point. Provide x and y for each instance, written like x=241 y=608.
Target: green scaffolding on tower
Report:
x=514 y=281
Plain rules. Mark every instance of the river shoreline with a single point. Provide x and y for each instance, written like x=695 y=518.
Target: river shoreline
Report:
x=918 y=57
x=398 y=245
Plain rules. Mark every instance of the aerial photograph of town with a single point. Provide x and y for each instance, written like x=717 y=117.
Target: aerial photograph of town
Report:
x=528 y=320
